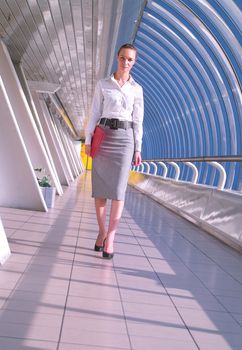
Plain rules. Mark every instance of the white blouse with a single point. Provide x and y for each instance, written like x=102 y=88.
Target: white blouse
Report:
x=112 y=101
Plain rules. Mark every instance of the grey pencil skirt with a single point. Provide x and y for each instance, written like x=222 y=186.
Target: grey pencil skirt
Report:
x=111 y=165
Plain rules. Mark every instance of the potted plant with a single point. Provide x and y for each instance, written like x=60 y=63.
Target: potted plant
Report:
x=47 y=189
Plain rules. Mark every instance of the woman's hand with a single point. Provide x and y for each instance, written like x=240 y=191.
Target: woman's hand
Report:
x=137 y=158
x=88 y=150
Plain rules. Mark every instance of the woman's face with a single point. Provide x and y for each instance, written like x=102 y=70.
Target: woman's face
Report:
x=126 y=60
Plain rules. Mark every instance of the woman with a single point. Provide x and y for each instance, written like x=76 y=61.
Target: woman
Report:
x=118 y=108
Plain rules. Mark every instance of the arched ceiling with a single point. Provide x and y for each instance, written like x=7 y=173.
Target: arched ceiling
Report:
x=190 y=68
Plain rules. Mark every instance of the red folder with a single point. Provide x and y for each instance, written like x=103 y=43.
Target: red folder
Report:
x=96 y=140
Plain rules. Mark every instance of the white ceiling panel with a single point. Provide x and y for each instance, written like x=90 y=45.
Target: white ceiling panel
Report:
x=70 y=43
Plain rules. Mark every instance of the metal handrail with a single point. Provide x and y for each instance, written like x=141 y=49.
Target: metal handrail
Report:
x=177 y=170
x=194 y=170
x=222 y=173
x=148 y=166
x=234 y=158
x=155 y=168
x=213 y=160
x=165 y=168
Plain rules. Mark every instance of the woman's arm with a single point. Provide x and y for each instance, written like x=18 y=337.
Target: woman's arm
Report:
x=138 y=116
x=137 y=158
x=88 y=150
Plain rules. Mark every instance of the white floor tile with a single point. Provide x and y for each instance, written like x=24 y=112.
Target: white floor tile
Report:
x=25 y=344
x=169 y=286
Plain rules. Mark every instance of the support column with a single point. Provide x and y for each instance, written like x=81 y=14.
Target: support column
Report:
x=4 y=247
x=35 y=113
x=24 y=143
x=19 y=186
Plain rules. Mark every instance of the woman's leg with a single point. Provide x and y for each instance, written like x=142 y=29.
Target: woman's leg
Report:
x=115 y=216
x=100 y=204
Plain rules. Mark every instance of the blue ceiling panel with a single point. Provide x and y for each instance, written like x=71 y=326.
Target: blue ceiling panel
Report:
x=189 y=64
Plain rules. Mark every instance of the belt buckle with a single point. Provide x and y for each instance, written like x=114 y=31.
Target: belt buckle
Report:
x=114 y=123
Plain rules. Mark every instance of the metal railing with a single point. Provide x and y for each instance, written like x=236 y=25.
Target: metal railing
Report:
x=214 y=161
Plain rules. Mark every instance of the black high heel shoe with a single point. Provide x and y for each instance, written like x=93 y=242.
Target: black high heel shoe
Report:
x=99 y=248
x=107 y=255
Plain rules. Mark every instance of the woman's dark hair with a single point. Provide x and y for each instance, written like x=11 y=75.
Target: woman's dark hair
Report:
x=127 y=46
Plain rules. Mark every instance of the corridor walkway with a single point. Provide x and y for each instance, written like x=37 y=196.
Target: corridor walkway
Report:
x=169 y=286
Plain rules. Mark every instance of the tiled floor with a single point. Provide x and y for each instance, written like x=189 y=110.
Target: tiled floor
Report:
x=169 y=286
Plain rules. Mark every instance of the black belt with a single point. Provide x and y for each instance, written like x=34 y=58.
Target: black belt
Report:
x=116 y=123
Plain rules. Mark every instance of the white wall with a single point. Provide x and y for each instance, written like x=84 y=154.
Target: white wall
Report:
x=30 y=138
x=217 y=212
x=24 y=120
x=4 y=246
x=18 y=185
